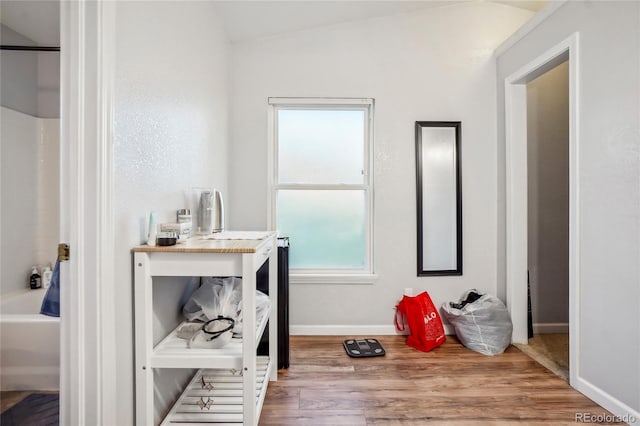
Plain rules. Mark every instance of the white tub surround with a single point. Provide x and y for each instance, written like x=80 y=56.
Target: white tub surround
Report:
x=30 y=343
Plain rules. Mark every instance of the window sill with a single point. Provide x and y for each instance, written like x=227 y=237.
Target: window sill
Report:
x=333 y=278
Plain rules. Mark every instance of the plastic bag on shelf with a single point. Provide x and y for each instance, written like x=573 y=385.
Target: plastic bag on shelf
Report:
x=262 y=308
x=221 y=297
x=216 y=296
x=481 y=321
x=214 y=334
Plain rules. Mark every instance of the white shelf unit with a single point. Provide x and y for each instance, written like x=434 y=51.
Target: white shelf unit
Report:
x=236 y=364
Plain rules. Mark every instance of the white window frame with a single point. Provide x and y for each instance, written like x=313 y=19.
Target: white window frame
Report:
x=367 y=274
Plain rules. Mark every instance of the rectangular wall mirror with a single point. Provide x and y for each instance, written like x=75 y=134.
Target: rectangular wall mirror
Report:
x=439 y=198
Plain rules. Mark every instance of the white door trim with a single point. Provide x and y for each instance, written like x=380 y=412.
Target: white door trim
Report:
x=516 y=191
x=87 y=370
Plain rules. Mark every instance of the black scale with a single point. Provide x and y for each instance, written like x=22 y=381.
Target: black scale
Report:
x=359 y=348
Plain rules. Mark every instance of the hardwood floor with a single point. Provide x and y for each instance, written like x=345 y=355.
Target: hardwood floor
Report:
x=550 y=350
x=10 y=398
x=449 y=386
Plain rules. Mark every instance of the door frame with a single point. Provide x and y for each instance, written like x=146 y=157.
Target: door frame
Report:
x=516 y=192
x=87 y=326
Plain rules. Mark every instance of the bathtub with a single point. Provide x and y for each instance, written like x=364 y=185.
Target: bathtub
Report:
x=29 y=343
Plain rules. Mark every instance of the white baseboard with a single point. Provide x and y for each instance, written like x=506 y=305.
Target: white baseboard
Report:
x=621 y=411
x=552 y=327
x=390 y=330
x=342 y=330
x=351 y=330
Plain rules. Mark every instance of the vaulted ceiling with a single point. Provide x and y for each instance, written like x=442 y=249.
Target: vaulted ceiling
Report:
x=243 y=20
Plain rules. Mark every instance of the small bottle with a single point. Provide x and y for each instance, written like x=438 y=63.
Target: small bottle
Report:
x=46 y=276
x=153 y=229
x=35 y=280
x=184 y=216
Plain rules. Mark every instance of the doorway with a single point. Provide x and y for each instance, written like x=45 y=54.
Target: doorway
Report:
x=30 y=155
x=518 y=198
x=548 y=219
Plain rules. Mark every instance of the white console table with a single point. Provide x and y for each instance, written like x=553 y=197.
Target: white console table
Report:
x=231 y=384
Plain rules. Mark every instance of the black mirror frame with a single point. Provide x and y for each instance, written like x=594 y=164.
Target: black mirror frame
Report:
x=458 y=270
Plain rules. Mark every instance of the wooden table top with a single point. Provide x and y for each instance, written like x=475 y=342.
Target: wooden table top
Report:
x=224 y=242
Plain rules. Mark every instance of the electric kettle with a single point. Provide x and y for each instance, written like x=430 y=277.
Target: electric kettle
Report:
x=210 y=212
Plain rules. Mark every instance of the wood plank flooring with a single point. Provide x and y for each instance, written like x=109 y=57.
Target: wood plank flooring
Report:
x=550 y=350
x=449 y=386
x=10 y=398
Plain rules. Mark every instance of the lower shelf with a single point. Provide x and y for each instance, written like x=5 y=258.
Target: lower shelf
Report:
x=214 y=396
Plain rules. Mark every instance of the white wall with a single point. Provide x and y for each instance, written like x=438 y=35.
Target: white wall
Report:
x=19 y=76
x=49 y=84
x=608 y=181
x=433 y=65
x=171 y=134
x=548 y=195
x=48 y=164
x=30 y=81
x=30 y=194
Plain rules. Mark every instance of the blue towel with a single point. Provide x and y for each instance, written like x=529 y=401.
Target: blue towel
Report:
x=51 y=302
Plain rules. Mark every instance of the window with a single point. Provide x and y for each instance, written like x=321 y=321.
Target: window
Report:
x=321 y=186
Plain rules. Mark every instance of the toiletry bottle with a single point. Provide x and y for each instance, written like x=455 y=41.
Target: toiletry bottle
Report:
x=184 y=216
x=46 y=276
x=34 y=279
x=153 y=229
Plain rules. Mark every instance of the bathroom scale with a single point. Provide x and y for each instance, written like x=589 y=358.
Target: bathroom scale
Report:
x=359 y=348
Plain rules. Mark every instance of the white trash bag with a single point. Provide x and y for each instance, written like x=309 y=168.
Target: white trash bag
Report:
x=215 y=297
x=481 y=322
x=222 y=297
x=214 y=334
x=262 y=309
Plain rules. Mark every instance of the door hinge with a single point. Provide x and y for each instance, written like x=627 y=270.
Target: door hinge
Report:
x=63 y=252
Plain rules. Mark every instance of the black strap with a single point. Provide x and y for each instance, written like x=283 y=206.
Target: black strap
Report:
x=218 y=333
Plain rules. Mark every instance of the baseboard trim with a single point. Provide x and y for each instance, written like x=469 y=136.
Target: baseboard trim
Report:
x=342 y=330
x=621 y=411
x=552 y=327
x=351 y=330
x=390 y=330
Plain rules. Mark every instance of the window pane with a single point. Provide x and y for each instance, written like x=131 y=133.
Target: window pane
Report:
x=321 y=146
x=327 y=228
